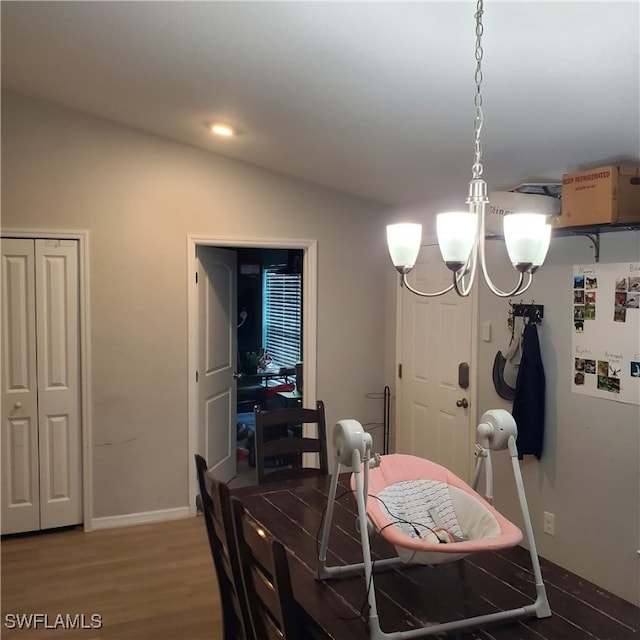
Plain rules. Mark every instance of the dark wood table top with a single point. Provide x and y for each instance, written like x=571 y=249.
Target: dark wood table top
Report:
x=408 y=598
x=413 y=596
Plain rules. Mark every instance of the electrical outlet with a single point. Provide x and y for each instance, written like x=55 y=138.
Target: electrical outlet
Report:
x=549 y=523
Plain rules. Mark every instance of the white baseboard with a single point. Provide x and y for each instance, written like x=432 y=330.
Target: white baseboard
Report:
x=129 y=519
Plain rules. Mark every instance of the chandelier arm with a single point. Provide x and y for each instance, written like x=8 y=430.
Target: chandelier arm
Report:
x=519 y=288
x=464 y=291
x=470 y=268
x=424 y=294
x=525 y=286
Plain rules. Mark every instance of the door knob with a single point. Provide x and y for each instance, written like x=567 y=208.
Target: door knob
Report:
x=236 y=375
x=462 y=403
x=17 y=405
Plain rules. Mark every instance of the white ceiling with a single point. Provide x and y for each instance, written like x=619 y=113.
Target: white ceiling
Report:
x=373 y=99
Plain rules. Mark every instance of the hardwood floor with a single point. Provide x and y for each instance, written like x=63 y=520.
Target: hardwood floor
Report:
x=157 y=582
x=153 y=581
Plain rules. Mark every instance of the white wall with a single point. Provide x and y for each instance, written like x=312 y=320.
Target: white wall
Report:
x=139 y=197
x=589 y=472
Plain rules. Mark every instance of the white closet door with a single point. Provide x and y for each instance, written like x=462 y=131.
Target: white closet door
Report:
x=58 y=383
x=41 y=435
x=20 y=488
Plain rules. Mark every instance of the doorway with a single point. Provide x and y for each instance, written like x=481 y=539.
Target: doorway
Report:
x=252 y=256
x=269 y=343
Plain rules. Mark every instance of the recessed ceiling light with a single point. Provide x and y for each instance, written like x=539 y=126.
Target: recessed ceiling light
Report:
x=225 y=130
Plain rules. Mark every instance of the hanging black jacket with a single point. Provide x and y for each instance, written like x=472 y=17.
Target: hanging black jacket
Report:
x=529 y=401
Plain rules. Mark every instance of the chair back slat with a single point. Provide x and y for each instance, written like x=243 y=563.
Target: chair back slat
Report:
x=216 y=508
x=265 y=566
x=290 y=415
x=271 y=629
x=290 y=445
x=267 y=596
x=258 y=543
x=282 y=436
x=213 y=489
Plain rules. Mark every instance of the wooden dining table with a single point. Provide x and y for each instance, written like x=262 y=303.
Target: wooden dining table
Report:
x=409 y=597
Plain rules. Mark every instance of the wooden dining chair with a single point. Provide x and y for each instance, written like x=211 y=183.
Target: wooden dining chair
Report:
x=280 y=442
x=218 y=516
x=274 y=611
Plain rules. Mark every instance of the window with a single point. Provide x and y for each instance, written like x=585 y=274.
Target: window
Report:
x=282 y=324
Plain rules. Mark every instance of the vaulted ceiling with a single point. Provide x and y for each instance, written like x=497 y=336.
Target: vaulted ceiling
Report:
x=375 y=99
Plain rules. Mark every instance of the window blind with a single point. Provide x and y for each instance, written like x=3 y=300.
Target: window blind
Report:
x=282 y=325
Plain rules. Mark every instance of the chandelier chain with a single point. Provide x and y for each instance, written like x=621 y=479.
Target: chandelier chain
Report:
x=479 y=119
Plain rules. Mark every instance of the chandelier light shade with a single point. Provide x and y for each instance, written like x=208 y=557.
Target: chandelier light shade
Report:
x=525 y=235
x=461 y=234
x=456 y=232
x=543 y=249
x=403 y=241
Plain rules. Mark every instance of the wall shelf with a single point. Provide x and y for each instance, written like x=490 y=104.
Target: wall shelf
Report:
x=593 y=231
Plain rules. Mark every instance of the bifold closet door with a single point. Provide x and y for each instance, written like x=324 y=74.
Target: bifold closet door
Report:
x=41 y=435
x=57 y=355
x=20 y=474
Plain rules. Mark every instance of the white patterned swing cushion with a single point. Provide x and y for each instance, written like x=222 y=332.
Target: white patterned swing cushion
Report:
x=413 y=504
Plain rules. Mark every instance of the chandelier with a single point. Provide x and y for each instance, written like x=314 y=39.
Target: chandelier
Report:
x=461 y=234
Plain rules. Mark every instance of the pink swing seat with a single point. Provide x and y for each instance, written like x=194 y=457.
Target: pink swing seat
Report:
x=430 y=515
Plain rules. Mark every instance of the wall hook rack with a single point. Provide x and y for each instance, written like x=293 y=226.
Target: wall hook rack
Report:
x=531 y=311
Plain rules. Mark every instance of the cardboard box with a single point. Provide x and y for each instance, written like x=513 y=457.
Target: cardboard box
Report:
x=606 y=195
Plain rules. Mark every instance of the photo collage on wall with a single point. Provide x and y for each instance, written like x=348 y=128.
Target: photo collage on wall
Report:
x=627 y=297
x=606 y=331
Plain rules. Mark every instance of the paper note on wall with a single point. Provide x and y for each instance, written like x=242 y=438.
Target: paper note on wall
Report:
x=606 y=331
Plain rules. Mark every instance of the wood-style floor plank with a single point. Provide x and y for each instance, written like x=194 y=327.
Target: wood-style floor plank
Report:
x=154 y=582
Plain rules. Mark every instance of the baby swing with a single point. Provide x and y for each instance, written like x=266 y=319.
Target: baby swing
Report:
x=428 y=514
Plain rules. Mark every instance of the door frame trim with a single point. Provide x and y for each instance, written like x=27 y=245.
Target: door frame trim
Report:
x=309 y=335
x=84 y=309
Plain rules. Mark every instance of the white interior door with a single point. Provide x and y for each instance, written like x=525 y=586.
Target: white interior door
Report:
x=217 y=391
x=20 y=492
x=58 y=383
x=41 y=431
x=435 y=338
